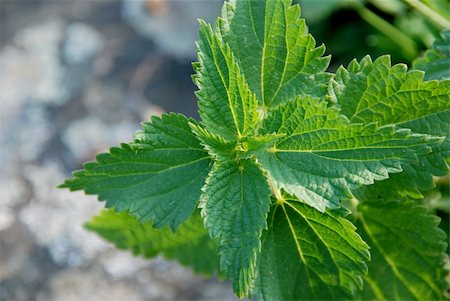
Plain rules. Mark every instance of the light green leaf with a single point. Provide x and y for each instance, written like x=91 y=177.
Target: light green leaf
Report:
x=378 y=92
x=310 y=255
x=407 y=251
x=218 y=148
x=158 y=177
x=436 y=61
x=190 y=244
x=274 y=50
x=224 y=150
x=227 y=106
x=235 y=203
x=322 y=155
x=251 y=146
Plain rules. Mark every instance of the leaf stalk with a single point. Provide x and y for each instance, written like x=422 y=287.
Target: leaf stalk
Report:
x=429 y=13
x=408 y=46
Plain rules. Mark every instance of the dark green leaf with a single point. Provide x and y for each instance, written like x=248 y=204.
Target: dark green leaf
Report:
x=227 y=106
x=322 y=155
x=234 y=205
x=407 y=251
x=310 y=255
x=274 y=50
x=190 y=244
x=158 y=177
x=436 y=61
x=378 y=92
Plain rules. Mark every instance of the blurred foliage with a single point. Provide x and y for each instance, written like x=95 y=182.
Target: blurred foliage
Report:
x=435 y=62
x=438 y=202
x=376 y=27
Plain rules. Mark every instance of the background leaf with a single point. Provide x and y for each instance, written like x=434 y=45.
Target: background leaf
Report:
x=407 y=251
x=190 y=244
x=436 y=61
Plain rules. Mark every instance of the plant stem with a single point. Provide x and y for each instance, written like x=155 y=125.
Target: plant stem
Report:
x=275 y=191
x=432 y=16
x=408 y=46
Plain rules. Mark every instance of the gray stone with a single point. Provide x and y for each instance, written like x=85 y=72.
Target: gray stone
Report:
x=172 y=24
x=82 y=43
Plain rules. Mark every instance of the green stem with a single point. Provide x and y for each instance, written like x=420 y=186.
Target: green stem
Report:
x=408 y=46
x=275 y=191
x=432 y=16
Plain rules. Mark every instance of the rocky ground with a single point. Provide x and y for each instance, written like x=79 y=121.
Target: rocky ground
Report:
x=75 y=78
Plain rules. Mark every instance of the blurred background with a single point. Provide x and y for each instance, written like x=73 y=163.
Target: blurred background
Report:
x=78 y=76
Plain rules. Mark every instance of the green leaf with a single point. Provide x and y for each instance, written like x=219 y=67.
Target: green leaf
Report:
x=234 y=206
x=322 y=155
x=407 y=250
x=227 y=106
x=314 y=13
x=378 y=92
x=223 y=150
x=274 y=50
x=310 y=255
x=190 y=244
x=158 y=177
x=251 y=146
x=218 y=148
x=400 y=186
x=436 y=61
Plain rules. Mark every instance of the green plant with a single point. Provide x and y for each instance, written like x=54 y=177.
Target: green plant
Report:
x=286 y=160
x=402 y=28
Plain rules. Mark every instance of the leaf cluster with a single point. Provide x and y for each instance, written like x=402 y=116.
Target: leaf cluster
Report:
x=283 y=153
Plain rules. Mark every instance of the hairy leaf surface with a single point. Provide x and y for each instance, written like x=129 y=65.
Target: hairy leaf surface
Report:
x=224 y=150
x=322 y=155
x=158 y=177
x=309 y=255
x=436 y=61
x=227 y=106
x=378 y=92
x=190 y=244
x=280 y=145
x=399 y=186
x=219 y=148
x=272 y=46
x=407 y=250
x=234 y=205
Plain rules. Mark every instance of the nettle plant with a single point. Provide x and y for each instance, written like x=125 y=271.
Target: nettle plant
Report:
x=297 y=184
